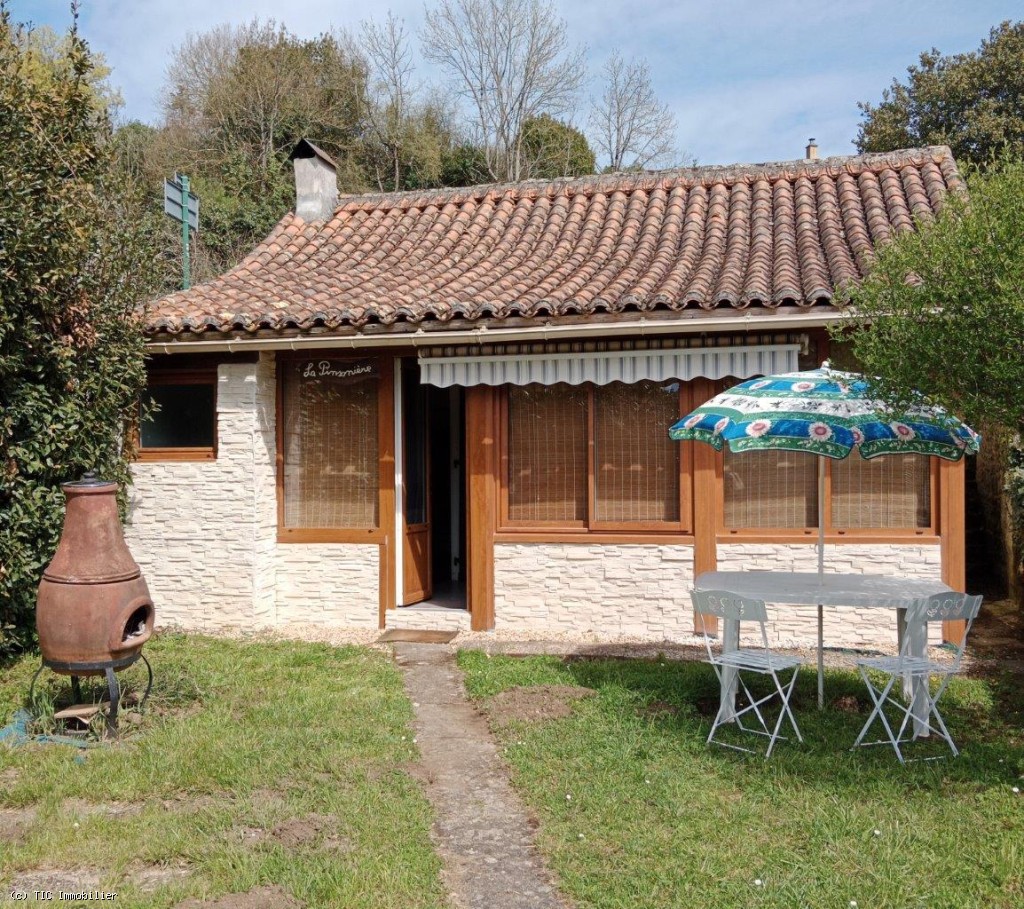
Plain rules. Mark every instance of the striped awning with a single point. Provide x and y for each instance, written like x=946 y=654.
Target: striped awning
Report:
x=604 y=367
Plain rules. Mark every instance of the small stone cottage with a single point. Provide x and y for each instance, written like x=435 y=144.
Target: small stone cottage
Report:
x=449 y=408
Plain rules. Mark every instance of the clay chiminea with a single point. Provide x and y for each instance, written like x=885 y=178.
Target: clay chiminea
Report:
x=94 y=611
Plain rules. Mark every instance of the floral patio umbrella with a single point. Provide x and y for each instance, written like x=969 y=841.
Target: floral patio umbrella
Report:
x=823 y=412
x=827 y=413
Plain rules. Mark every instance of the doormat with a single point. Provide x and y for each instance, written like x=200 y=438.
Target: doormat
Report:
x=416 y=636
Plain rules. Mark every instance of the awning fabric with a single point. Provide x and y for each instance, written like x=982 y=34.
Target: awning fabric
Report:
x=604 y=367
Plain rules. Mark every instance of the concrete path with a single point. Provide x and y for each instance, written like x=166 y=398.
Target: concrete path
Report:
x=481 y=832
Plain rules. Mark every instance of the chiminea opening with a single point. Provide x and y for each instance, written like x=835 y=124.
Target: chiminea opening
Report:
x=137 y=623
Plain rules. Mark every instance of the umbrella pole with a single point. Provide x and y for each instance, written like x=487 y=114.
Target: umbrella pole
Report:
x=821 y=577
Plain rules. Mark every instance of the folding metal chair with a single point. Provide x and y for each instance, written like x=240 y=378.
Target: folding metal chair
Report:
x=917 y=670
x=729 y=666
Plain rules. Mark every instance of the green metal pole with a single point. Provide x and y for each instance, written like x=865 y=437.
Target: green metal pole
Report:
x=186 y=263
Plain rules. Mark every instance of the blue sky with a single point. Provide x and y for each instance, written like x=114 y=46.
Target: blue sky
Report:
x=748 y=80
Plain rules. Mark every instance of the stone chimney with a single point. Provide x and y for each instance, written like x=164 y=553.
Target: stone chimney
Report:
x=811 y=152
x=316 y=182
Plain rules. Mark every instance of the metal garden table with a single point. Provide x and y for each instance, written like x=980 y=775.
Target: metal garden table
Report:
x=791 y=588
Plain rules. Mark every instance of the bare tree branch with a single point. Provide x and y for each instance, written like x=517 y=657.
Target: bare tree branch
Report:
x=510 y=59
x=630 y=126
x=391 y=92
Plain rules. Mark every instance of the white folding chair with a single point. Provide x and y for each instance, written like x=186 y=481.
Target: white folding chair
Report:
x=947 y=607
x=729 y=666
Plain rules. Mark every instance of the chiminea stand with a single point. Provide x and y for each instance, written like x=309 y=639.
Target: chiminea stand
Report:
x=108 y=668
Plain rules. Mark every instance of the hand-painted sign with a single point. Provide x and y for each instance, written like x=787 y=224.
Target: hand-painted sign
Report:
x=339 y=369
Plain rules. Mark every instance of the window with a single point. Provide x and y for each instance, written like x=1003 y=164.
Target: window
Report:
x=329 y=444
x=890 y=491
x=547 y=453
x=779 y=489
x=594 y=457
x=770 y=489
x=178 y=416
x=637 y=470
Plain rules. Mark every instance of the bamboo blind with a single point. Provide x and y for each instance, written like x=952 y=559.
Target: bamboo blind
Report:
x=547 y=453
x=331 y=472
x=637 y=476
x=771 y=489
x=891 y=491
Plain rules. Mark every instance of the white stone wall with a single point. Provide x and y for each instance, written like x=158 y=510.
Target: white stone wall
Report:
x=332 y=584
x=640 y=591
x=191 y=524
x=843 y=626
x=264 y=501
x=429 y=618
x=205 y=532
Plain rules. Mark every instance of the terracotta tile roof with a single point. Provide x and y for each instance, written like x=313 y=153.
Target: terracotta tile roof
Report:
x=760 y=235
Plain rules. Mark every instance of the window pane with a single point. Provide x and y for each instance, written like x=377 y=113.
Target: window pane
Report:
x=637 y=476
x=547 y=453
x=330 y=444
x=186 y=418
x=888 y=491
x=771 y=489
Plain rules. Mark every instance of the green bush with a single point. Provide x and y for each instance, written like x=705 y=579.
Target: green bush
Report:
x=72 y=267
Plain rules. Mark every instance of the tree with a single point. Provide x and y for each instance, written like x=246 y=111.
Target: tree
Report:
x=72 y=267
x=510 y=60
x=238 y=98
x=45 y=54
x=259 y=88
x=630 y=125
x=555 y=149
x=406 y=136
x=942 y=312
x=972 y=102
x=943 y=308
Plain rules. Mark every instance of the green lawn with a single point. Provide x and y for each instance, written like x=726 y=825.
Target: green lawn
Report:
x=258 y=763
x=635 y=810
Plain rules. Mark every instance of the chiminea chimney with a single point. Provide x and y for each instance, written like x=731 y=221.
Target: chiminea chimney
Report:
x=811 y=152
x=316 y=182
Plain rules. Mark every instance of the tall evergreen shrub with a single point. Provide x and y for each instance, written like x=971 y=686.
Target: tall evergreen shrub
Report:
x=71 y=346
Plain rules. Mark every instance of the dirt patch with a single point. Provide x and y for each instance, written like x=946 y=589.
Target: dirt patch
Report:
x=82 y=808
x=301 y=831
x=206 y=802
x=68 y=880
x=14 y=823
x=298 y=832
x=149 y=878
x=658 y=710
x=268 y=897
x=848 y=704
x=9 y=776
x=535 y=704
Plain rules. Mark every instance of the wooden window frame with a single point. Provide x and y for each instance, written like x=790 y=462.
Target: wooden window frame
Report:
x=385 y=456
x=180 y=453
x=510 y=530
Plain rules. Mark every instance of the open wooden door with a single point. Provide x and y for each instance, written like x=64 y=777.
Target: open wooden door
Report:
x=416 y=531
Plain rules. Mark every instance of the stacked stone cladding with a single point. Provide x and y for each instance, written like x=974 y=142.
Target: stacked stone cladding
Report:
x=191 y=524
x=848 y=627
x=438 y=618
x=205 y=532
x=331 y=584
x=635 y=590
